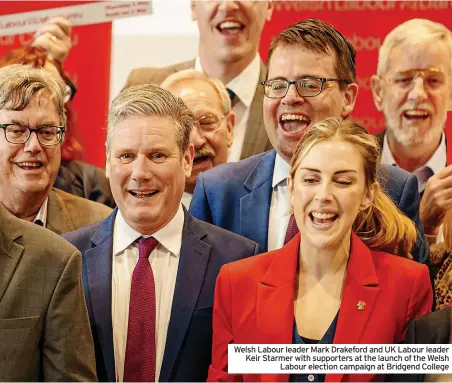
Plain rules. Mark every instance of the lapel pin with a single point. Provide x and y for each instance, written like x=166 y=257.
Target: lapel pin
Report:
x=361 y=305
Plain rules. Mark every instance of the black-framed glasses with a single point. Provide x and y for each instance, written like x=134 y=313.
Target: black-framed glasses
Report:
x=210 y=122
x=306 y=87
x=20 y=134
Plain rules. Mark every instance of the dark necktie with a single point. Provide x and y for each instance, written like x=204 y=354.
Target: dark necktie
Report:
x=292 y=229
x=139 y=365
x=233 y=97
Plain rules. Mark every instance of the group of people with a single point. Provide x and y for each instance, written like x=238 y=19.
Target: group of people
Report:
x=249 y=206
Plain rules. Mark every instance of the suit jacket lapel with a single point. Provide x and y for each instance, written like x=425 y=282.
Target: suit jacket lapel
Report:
x=256 y=139
x=58 y=219
x=98 y=263
x=10 y=251
x=361 y=289
x=275 y=301
x=193 y=262
x=255 y=206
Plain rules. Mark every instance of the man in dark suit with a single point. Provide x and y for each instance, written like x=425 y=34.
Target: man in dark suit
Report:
x=166 y=333
x=230 y=33
x=44 y=327
x=311 y=76
x=412 y=88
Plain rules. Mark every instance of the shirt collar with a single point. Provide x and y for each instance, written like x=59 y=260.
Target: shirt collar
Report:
x=170 y=236
x=280 y=171
x=241 y=84
x=436 y=162
x=42 y=214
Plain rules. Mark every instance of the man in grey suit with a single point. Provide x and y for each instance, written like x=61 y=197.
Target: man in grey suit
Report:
x=150 y=243
x=230 y=34
x=44 y=326
x=33 y=119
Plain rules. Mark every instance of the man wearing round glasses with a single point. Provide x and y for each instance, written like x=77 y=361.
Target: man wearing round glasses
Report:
x=32 y=117
x=412 y=89
x=311 y=76
x=210 y=103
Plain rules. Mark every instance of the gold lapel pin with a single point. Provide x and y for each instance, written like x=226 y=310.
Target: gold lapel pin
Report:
x=361 y=305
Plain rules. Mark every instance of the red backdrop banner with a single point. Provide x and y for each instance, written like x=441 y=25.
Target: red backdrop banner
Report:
x=88 y=66
x=365 y=24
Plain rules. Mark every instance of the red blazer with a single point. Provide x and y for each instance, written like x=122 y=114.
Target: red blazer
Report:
x=254 y=303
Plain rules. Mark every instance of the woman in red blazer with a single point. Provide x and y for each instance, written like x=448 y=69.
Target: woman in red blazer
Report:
x=346 y=279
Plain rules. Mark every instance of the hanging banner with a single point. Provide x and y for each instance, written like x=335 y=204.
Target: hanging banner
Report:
x=88 y=64
x=365 y=24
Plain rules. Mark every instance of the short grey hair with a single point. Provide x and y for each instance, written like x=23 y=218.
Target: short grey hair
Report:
x=151 y=100
x=416 y=32
x=194 y=75
x=20 y=83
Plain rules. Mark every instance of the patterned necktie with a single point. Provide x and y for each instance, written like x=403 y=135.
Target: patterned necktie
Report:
x=233 y=97
x=139 y=365
x=292 y=229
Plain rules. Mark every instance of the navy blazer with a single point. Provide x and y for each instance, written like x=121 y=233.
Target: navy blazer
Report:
x=205 y=248
x=236 y=196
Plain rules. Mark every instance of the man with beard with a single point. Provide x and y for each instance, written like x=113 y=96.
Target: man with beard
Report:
x=412 y=89
x=229 y=38
x=311 y=76
x=210 y=103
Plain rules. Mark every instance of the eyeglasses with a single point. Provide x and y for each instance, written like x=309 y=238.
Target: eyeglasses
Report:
x=47 y=135
x=210 y=122
x=306 y=87
x=434 y=78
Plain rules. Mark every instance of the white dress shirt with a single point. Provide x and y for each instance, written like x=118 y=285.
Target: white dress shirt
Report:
x=186 y=199
x=41 y=217
x=164 y=261
x=244 y=86
x=280 y=205
x=436 y=162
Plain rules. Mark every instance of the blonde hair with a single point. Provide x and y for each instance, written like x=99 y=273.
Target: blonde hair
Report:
x=151 y=100
x=20 y=83
x=194 y=75
x=382 y=226
x=416 y=32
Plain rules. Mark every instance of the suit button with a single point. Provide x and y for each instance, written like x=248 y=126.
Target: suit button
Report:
x=311 y=378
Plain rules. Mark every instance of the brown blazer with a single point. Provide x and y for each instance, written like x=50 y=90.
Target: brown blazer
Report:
x=256 y=140
x=66 y=212
x=44 y=327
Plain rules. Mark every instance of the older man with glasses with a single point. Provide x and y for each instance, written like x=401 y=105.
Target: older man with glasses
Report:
x=33 y=118
x=213 y=136
x=311 y=76
x=412 y=88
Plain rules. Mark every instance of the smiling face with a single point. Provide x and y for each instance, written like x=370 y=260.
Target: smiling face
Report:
x=327 y=195
x=415 y=113
x=286 y=118
x=211 y=147
x=147 y=171
x=29 y=169
x=231 y=30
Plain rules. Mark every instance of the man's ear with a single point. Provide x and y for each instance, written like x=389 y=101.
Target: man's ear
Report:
x=349 y=99
x=187 y=161
x=270 y=9
x=230 y=123
x=377 y=92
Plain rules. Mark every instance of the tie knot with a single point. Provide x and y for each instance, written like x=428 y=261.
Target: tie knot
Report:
x=146 y=245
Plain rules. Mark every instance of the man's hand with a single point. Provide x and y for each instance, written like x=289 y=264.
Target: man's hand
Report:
x=55 y=38
x=437 y=200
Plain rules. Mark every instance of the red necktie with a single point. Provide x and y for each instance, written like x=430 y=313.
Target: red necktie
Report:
x=292 y=229
x=139 y=365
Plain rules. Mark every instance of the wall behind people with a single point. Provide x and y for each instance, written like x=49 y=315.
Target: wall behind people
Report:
x=365 y=24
